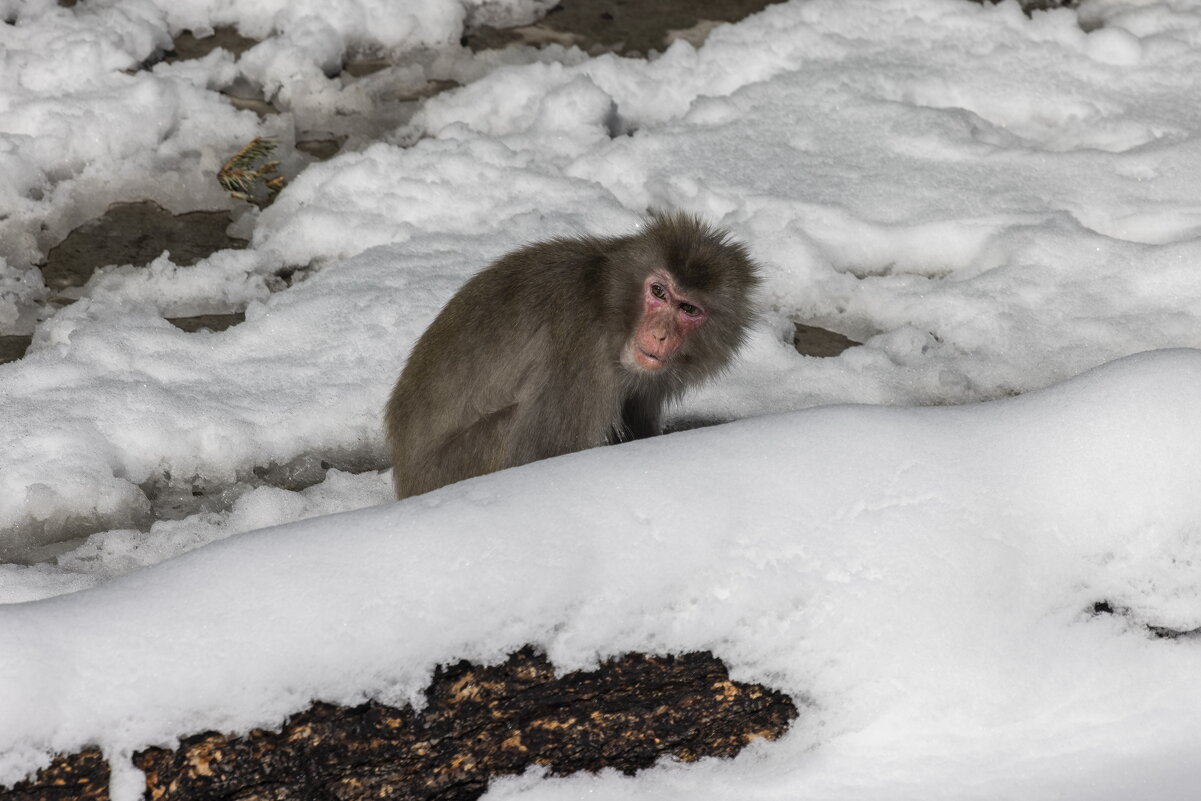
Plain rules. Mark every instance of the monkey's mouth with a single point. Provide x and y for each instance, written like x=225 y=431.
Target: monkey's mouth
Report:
x=648 y=361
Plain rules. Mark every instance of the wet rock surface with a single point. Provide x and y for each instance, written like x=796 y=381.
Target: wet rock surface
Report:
x=136 y=233
x=189 y=46
x=207 y=322
x=13 y=347
x=810 y=340
x=621 y=26
x=1030 y=6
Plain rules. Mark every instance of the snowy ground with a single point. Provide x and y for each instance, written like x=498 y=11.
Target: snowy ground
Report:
x=992 y=203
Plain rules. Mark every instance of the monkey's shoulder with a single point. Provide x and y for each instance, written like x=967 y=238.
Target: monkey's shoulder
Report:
x=546 y=283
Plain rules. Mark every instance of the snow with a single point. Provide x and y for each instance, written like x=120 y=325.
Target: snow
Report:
x=922 y=577
x=1002 y=208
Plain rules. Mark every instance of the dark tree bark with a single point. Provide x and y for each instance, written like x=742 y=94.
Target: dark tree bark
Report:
x=479 y=722
x=78 y=777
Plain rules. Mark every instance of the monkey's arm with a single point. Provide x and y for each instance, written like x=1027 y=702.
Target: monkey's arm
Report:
x=640 y=418
x=462 y=405
x=474 y=450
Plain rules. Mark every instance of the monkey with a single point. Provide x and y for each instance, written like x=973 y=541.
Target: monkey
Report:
x=567 y=344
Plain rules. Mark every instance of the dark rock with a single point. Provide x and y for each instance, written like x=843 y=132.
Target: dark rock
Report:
x=320 y=149
x=188 y=46
x=1030 y=6
x=617 y=25
x=13 y=347
x=136 y=233
x=208 y=322
x=809 y=340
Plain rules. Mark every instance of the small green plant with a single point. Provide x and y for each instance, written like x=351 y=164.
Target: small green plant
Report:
x=240 y=177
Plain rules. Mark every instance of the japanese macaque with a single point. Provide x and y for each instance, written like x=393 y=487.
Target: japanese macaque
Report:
x=567 y=344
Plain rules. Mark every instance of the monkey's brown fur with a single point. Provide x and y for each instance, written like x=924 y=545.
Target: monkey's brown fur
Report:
x=525 y=361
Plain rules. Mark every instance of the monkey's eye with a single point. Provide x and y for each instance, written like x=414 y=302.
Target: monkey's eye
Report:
x=690 y=310
x=658 y=291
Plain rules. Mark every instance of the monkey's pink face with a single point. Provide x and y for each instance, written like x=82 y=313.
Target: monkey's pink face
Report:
x=669 y=315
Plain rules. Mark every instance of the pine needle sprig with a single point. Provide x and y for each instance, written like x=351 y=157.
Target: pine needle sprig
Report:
x=240 y=176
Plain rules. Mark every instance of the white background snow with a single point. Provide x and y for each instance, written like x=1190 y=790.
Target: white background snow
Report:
x=992 y=203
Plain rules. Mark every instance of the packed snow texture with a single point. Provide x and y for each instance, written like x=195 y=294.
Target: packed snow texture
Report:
x=921 y=578
x=991 y=203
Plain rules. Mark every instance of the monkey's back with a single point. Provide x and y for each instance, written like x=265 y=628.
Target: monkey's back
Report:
x=510 y=371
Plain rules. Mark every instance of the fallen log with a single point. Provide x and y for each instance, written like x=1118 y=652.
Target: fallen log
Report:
x=479 y=722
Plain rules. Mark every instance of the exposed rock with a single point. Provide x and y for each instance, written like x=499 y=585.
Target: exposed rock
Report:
x=136 y=233
x=809 y=340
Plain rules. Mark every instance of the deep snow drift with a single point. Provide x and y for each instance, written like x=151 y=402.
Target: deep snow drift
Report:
x=923 y=578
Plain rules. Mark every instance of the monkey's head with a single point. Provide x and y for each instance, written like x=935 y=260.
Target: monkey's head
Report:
x=688 y=298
